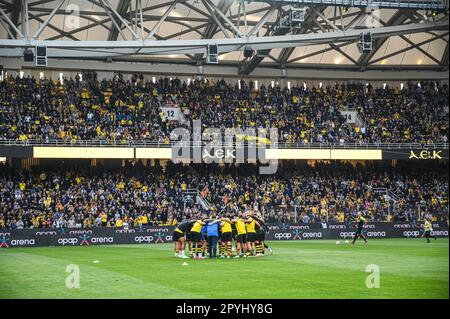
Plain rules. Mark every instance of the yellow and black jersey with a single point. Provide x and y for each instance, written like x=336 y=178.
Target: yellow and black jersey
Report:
x=197 y=227
x=240 y=227
x=251 y=226
x=226 y=226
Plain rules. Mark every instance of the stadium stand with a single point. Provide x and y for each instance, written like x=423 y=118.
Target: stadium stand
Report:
x=119 y=111
x=138 y=194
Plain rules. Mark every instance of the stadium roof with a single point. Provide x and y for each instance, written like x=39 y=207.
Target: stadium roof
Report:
x=406 y=34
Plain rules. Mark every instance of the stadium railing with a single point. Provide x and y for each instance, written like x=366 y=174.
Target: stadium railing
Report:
x=145 y=143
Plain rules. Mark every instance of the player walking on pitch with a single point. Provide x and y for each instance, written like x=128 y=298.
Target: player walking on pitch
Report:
x=428 y=229
x=361 y=221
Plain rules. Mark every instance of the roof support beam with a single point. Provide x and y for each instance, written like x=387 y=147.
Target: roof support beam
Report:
x=309 y=21
x=122 y=9
x=318 y=52
x=414 y=45
x=331 y=44
x=114 y=48
x=25 y=25
x=61 y=32
x=444 y=60
x=211 y=29
x=439 y=5
x=408 y=48
x=15 y=17
x=397 y=19
x=225 y=18
x=261 y=22
x=50 y=17
x=108 y=5
x=163 y=18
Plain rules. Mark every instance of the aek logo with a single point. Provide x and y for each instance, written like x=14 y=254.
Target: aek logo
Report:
x=425 y=154
x=218 y=154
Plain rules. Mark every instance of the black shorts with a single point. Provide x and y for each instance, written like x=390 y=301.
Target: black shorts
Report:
x=234 y=234
x=251 y=237
x=196 y=237
x=189 y=236
x=359 y=231
x=428 y=233
x=177 y=236
x=260 y=236
x=241 y=238
x=226 y=237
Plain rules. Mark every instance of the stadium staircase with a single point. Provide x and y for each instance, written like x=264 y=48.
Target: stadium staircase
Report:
x=359 y=121
x=389 y=196
x=194 y=193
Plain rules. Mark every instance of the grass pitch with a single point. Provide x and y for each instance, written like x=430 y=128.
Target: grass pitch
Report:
x=409 y=268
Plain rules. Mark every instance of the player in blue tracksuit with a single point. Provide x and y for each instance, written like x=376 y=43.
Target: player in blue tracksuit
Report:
x=212 y=236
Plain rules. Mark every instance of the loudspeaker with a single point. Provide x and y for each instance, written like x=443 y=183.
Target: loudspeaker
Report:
x=248 y=52
x=28 y=55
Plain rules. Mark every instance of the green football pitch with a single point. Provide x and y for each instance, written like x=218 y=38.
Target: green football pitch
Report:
x=408 y=268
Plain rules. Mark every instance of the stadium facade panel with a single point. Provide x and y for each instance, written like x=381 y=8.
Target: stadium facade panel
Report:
x=76 y=152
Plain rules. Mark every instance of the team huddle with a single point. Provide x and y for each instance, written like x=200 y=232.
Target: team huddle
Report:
x=204 y=234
